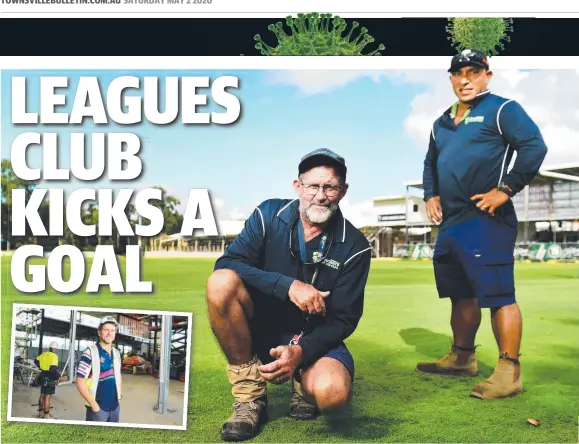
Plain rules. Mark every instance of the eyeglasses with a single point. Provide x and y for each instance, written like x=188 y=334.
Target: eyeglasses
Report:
x=328 y=190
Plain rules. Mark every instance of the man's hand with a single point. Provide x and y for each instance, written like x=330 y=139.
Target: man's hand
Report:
x=308 y=298
x=287 y=359
x=95 y=407
x=491 y=201
x=434 y=210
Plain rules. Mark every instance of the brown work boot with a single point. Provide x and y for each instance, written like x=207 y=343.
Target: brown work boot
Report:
x=299 y=408
x=506 y=381
x=449 y=365
x=245 y=421
x=250 y=409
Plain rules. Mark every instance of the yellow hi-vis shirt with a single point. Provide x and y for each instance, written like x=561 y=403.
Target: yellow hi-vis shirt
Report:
x=47 y=359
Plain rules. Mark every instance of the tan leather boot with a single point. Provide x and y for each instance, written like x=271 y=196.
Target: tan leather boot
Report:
x=448 y=365
x=506 y=381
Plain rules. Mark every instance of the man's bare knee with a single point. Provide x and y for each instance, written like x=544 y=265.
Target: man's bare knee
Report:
x=328 y=384
x=224 y=287
x=331 y=394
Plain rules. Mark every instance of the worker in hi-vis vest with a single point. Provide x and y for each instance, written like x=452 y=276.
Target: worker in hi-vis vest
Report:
x=98 y=377
x=47 y=362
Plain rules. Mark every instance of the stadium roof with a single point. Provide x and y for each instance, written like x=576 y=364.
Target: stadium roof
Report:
x=565 y=172
x=393 y=198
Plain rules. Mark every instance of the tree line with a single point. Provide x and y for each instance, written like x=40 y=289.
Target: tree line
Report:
x=89 y=215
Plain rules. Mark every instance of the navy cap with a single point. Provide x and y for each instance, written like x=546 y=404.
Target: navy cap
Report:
x=468 y=57
x=323 y=157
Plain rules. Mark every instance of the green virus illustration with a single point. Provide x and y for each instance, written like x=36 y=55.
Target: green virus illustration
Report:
x=317 y=35
x=482 y=34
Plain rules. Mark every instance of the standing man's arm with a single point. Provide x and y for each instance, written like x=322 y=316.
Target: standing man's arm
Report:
x=523 y=135
x=244 y=256
x=121 y=377
x=84 y=368
x=430 y=183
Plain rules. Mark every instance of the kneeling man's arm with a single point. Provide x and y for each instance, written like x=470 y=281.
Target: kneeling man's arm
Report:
x=244 y=256
x=345 y=310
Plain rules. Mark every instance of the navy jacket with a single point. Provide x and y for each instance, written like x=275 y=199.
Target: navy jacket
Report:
x=472 y=157
x=261 y=256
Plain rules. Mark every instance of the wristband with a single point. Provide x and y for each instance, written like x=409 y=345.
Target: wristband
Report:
x=505 y=189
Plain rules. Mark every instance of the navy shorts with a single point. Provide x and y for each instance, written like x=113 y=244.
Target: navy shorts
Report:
x=475 y=259
x=342 y=354
x=269 y=328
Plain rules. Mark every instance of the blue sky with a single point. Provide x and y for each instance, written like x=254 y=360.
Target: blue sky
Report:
x=375 y=120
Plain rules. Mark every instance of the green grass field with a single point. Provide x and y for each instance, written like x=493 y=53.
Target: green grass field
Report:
x=404 y=322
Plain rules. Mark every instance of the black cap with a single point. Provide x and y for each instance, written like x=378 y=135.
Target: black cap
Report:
x=468 y=57
x=323 y=157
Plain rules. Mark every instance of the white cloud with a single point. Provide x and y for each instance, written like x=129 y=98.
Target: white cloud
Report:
x=563 y=143
x=549 y=97
x=513 y=76
x=359 y=214
x=237 y=214
x=316 y=82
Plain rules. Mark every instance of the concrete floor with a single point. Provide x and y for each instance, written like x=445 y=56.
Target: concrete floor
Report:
x=139 y=398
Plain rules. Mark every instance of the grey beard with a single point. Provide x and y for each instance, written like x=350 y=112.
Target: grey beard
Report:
x=316 y=217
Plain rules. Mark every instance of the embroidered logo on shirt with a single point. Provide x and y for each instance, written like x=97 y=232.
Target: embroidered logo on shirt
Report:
x=331 y=263
x=477 y=119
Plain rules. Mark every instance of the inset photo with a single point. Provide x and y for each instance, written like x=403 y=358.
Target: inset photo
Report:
x=99 y=366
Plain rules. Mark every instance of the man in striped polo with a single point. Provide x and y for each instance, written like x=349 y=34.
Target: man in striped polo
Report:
x=98 y=377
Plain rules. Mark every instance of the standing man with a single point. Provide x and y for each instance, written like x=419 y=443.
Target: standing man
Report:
x=468 y=190
x=285 y=296
x=98 y=377
x=48 y=363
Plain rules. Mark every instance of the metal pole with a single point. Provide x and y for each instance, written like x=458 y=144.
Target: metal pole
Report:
x=406 y=213
x=117 y=335
x=40 y=339
x=72 y=345
x=165 y=367
x=155 y=347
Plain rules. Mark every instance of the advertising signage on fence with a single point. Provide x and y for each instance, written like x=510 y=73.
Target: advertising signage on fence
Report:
x=391 y=217
x=416 y=251
x=547 y=251
x=536 y=251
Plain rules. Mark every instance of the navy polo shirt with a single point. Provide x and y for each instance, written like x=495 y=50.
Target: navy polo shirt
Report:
x=266 y=257
x=473 y=156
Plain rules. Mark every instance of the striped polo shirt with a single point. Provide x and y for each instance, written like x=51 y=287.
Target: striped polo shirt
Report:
x=106 y=395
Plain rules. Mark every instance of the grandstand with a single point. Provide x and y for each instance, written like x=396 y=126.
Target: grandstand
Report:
x=547 y=210
x=199 y=243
